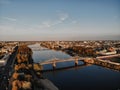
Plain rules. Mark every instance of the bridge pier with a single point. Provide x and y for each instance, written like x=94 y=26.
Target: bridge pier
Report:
x=54 y=65
x=76 y=61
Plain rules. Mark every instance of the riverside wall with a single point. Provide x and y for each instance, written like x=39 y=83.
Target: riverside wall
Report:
x=104 y=63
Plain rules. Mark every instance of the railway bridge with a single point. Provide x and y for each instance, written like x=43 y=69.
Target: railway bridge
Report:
x=89 y=60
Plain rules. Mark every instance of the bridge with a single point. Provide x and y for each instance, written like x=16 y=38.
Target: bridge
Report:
x=76 y=59
x=109 y=56
x=56 y=60
x=38 y=49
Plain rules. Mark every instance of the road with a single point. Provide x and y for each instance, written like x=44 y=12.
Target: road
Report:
x=6 y=70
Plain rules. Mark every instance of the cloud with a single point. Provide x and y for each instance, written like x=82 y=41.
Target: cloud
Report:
x=4 y=2
x=46 y=24
x=3 y=27
x=10 y=19
x=49 y=23
x=74 y=22
x=63 y=16
x=6 y=29
x=115 y=17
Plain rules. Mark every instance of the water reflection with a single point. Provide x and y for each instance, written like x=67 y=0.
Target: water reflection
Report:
x=62 y=65
x=84 y=77
x=40 y=56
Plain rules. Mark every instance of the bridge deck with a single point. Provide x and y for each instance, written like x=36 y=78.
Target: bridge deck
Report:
x=61 y=60
x=109 y=56
x=75 y=58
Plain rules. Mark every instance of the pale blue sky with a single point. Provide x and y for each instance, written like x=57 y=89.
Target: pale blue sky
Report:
x=59 y=19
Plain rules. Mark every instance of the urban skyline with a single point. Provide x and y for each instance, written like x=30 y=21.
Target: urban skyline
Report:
x=59 y=20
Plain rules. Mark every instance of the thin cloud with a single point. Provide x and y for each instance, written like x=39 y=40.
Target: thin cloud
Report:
x=10 y=19
x=74 y=22
x=45 y=24
x=52 y=22
x=6 y=28
x=61 y=18
x=4 y=2
x=115 y=17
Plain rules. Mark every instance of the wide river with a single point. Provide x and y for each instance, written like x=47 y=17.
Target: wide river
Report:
x=90 y=77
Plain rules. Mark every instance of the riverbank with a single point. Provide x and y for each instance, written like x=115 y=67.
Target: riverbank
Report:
x=111 y=64
x=93 y=77
x=27 y=74
x=108 y=64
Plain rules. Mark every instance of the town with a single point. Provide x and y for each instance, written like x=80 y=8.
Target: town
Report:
x=73 y=48
x=17 y=65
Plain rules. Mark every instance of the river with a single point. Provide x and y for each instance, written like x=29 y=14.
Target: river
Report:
x=85 y=77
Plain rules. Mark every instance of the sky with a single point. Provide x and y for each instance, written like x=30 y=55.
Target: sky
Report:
x=41 y=20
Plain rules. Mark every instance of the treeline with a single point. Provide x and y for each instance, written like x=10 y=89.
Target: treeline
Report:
x=23 y=49
x=83 y=51
x=22 y=78
x=78 y=50
x=71 y=49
